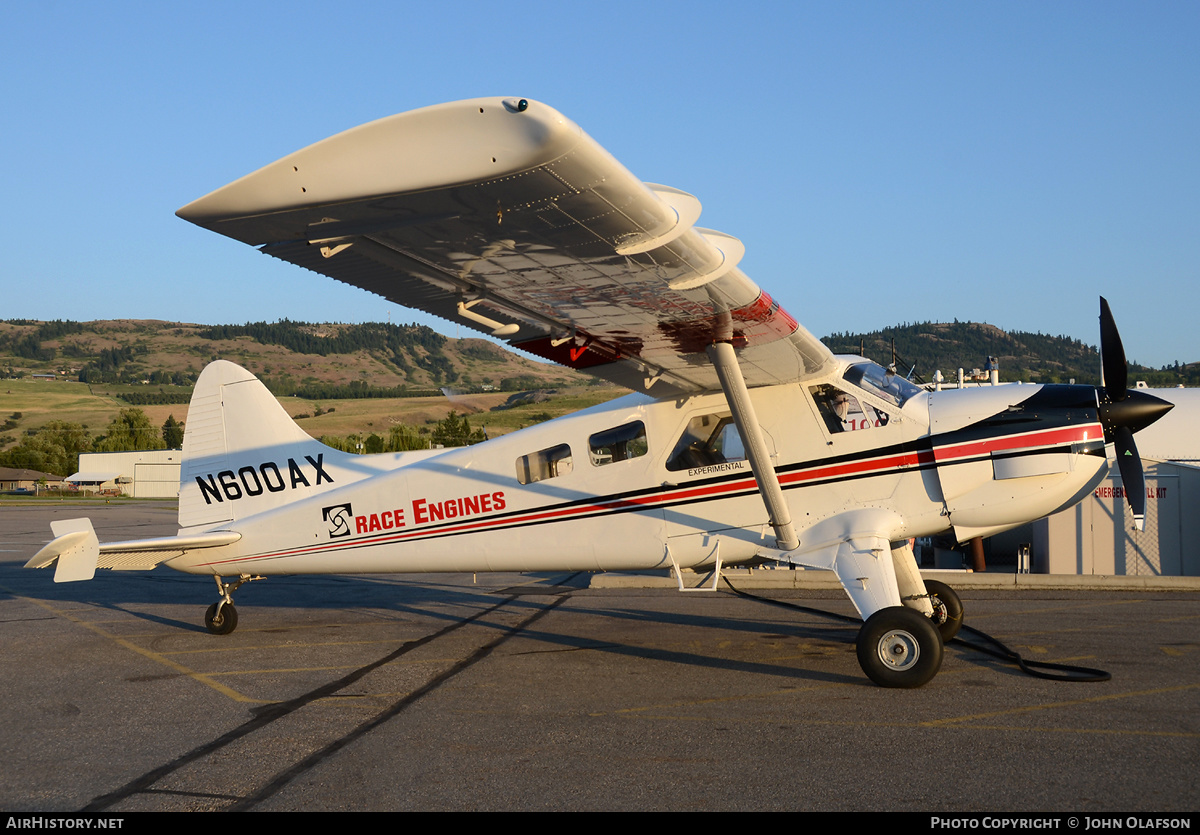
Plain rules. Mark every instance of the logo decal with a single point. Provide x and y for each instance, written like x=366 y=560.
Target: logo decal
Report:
x=338 y=516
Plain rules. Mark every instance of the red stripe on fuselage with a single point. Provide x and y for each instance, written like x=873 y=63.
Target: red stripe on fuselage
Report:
x=1019 y=441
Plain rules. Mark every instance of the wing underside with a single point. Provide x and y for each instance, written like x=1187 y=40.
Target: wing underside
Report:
x=503 y=216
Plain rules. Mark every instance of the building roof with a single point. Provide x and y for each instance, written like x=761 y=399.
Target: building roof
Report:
x=20 y=474
x=92 y=478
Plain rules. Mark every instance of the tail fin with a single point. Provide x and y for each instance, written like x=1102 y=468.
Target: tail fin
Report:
x=243 y=454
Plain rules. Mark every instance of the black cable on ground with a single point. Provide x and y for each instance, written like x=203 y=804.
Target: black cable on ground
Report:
x=1064 y=672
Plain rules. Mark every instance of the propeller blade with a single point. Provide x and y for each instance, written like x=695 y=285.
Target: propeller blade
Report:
x=1132 y=478
x=1123 y=412
x=1114 y=374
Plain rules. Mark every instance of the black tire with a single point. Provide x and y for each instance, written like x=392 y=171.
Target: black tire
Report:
x=899 y=647
x=221 y=624
x=947 y=609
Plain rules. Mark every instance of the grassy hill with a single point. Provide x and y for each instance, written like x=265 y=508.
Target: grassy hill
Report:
x=37 y=402
x=282 y=354
x=341 y=380
x=332 y=378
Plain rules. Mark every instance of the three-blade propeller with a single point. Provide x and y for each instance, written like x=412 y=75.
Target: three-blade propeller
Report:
x=1124 y=411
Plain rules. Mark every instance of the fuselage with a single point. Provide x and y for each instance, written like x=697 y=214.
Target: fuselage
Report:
x=640 y=483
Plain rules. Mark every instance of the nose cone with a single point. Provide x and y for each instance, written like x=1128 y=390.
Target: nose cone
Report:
x=1134 y=412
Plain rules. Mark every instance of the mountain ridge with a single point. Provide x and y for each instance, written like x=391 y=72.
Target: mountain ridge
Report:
x=293 y=357
x=926 y=347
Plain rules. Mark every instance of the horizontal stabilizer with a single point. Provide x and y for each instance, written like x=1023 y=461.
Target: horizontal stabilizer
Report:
x=74 y=546
x=79 y=553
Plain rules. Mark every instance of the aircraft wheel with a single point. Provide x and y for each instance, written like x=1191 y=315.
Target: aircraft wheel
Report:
x=899 y=647
x=223 y=623
x=947 y=609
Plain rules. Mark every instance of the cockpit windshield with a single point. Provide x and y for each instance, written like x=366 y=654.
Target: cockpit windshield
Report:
x=881 y=382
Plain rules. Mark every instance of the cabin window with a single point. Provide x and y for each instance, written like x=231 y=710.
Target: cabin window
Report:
x=843 y=412
x=544 y=464
x=618 y=444
x=707 y=440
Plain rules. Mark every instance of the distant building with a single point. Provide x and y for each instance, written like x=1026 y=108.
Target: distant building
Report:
x=145 y=473
x=26 y=480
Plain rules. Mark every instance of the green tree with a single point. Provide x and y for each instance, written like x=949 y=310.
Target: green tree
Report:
x=402 y=438
x=456 y=431
x=54 y=449
x=130 y=430
x=523 y=382
x=172 y=433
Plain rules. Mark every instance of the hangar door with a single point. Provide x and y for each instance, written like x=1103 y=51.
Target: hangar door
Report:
x=156 y=481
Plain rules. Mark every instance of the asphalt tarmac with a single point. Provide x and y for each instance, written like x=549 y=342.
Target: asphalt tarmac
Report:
x=537 y=692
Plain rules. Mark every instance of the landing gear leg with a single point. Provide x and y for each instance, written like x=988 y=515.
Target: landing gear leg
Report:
x=221 y=617
x=935 y=600
x=908 y=579
x=899 y=647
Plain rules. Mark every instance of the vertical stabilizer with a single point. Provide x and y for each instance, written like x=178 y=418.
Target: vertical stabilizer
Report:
x=243 y=454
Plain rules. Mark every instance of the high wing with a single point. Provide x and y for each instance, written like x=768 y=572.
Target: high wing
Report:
x=504 y=216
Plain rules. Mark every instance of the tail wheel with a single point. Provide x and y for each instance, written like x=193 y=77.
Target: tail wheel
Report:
x=947 y=609
x=899 y=647
x=221 y=619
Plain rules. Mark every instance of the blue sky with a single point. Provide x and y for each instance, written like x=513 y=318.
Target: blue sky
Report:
x=883 y=162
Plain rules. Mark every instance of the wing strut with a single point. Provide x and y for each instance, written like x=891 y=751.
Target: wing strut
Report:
x=738 y=398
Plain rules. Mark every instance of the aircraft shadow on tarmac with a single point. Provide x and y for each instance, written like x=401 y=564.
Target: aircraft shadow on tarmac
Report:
x=426 y=597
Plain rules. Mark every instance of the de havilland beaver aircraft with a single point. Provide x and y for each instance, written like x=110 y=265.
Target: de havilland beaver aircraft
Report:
x=745 y=440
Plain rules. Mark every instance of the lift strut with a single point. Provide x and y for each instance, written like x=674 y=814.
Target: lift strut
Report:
x=738 y=397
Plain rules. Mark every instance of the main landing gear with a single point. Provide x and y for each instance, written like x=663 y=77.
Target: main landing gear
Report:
x=947 y=609
x=221 y=617
x=900 y=647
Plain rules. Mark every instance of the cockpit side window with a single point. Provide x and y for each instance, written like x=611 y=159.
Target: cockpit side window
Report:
x=843 y=412
x=618 y=444
x=707 y=440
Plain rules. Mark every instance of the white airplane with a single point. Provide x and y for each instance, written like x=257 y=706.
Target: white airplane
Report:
x=747 y=440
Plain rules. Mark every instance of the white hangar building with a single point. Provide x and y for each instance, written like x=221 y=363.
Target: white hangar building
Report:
x=143 y=474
